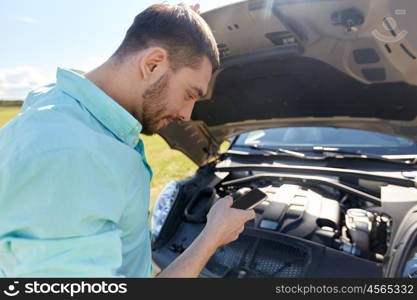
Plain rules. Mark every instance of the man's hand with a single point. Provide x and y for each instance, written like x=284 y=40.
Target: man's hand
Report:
x=224 y=224
x=196 y=8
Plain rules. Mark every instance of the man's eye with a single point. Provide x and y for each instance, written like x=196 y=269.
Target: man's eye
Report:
x=189 y=97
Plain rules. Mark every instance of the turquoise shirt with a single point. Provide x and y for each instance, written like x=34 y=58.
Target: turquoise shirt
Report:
x=74 y=186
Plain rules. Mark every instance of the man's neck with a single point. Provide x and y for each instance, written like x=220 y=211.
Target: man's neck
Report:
x=109 y=78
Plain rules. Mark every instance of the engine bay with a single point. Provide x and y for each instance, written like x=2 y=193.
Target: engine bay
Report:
x=320 y=214
x=305 y=227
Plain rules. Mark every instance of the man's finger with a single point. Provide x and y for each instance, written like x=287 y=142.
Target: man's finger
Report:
x=251 y=214
x=196 y=7
x=229 y=200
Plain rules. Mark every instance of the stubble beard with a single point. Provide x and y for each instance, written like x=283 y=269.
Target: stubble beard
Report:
x=155 y=105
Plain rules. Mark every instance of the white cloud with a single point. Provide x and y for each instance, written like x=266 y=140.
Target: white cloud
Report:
x=89 y=64
x=27 y=20
x=15 y=83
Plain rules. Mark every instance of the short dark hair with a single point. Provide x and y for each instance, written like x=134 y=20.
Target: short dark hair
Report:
x=178 y=29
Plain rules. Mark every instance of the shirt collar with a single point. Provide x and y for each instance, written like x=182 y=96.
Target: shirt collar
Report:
x=113 y=116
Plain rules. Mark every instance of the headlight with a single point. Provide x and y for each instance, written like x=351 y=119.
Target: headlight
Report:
x=163 y=205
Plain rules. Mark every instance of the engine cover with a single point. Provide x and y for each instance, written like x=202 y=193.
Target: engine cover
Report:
x=299 y=211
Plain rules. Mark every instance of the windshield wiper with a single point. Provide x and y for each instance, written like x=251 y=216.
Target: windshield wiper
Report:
x=287 y=152
x=332 y=152
x=340 y=153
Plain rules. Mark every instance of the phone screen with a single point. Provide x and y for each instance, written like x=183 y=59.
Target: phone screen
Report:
x=250 y=199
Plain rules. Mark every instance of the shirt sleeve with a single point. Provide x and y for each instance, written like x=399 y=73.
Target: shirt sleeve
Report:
x=59 y=212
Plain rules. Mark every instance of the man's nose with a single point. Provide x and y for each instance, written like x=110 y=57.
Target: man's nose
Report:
x=186 y=111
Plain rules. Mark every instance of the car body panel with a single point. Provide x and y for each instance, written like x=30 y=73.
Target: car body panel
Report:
x=289 y=63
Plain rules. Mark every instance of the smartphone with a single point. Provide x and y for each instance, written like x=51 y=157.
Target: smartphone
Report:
x=250 y=199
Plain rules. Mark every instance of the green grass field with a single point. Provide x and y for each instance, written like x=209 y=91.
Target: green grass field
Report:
x=166 y=164
x=7 y=113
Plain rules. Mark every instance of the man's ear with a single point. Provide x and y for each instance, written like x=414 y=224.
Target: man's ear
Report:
x=154 y=63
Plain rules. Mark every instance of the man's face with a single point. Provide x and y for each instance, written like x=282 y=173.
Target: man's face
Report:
x=173 y=96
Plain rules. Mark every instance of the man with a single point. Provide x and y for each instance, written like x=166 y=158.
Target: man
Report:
x=74 y=181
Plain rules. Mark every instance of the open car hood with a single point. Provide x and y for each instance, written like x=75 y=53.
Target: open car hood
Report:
x=306 y=63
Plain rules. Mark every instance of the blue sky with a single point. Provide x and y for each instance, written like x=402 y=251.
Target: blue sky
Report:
x=39 y=35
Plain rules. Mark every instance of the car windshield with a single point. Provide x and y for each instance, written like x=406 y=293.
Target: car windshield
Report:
x=304 y=138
